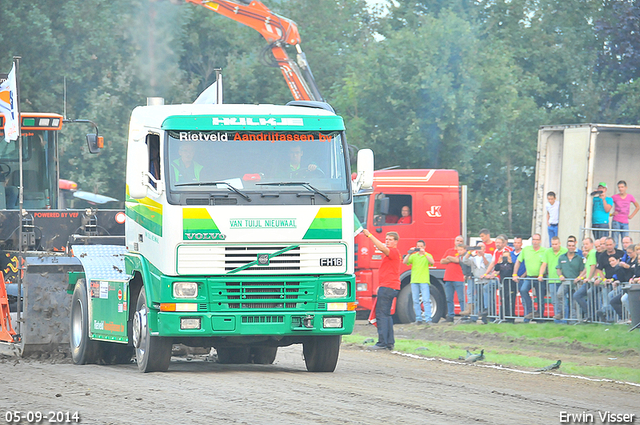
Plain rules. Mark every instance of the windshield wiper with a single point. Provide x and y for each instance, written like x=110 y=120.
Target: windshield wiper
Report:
x=303 y=184
x=229 y=185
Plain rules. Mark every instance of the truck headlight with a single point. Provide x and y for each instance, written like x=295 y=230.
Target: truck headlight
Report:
x=332 y=322
x=185 y=289
x=335 y=289
x=189 y=323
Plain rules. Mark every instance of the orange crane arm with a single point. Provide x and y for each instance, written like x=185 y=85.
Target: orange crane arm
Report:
x=278 y=31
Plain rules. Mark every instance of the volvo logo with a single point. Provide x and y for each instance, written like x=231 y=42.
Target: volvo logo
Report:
x=263 y=259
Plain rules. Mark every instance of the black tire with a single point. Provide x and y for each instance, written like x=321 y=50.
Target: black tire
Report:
x=264 y=355
x=83 y=349
x=321 y=353
x=438 y=304
x=153 y=353
x=113 y=353
x=404 y=305
x=233 y=355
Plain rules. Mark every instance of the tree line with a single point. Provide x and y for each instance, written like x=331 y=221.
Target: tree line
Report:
x=456 y=84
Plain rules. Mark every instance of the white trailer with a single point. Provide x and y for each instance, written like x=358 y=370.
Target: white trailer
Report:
x=572 y=160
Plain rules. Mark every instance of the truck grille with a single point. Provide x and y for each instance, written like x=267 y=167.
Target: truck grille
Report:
x=219 y=259
x=238 y=256
x=262 y=319
x=262 y=295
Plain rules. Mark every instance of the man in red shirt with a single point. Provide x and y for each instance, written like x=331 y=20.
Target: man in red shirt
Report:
x=489 y=289
x=389 y=277
x=485 y=237
x=406 y=215
x=453 y=277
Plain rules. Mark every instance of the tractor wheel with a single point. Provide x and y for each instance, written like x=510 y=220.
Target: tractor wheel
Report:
x=153 y=353
x=321 y=353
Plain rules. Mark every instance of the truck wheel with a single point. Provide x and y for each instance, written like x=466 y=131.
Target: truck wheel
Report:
x=321 y=353
x=404 y=306
x=438 y=304
x=83 y=349
x=233 y=355
x=153 y=353
x=264 y=355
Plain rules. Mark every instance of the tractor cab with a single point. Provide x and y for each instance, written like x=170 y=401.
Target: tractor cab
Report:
x=39 y=157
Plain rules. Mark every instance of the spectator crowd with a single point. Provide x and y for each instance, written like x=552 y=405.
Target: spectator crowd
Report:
x=561 y=282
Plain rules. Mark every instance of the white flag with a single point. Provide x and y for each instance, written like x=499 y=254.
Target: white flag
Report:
x=9 y=106
x=209 y=96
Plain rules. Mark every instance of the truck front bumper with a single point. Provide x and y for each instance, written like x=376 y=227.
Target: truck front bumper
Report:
x=207 y=324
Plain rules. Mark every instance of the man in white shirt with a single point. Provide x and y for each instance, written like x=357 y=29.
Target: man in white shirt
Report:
x=553 y=215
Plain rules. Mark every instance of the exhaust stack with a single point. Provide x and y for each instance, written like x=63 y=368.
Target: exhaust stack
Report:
x=155 y=101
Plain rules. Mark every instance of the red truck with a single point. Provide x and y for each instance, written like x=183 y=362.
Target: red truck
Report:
x=437 y=205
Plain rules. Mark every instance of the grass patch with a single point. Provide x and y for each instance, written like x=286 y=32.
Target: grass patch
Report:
x=610 y=337
x=607 y=340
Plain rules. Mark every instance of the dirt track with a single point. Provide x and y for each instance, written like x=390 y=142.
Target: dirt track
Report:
x=366 y=388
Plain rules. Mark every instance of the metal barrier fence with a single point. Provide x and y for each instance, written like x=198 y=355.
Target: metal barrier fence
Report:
x=598 y=232
x=545 y=300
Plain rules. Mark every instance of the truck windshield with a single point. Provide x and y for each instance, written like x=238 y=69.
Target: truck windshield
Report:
x=251 y=161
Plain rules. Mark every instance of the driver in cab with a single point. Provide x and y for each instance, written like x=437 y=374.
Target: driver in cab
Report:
x=295 y=166
x=185 y=169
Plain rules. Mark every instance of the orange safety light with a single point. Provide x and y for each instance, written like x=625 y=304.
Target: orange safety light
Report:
x=167 y=306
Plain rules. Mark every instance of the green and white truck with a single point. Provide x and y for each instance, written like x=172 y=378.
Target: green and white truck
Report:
x=239 y=236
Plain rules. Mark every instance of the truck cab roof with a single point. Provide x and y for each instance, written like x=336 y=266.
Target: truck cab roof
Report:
x=415 y=177
x=154 y=116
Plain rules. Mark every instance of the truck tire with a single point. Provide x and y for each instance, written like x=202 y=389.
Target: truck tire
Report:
x=264 y=355
x=233 y=355
x=83 y=349
x=404 y=305
x=321 y=353
x=153 y=353
x=438 y=304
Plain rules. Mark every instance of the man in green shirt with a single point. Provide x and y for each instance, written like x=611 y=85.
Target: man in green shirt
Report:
x=185 y=169
x=549 y=264
x=569 y=268
x=531 y=256
x=298 y=171
x=420 y=260
x=586 y=276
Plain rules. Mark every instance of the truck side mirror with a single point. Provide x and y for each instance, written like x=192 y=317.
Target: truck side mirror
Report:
x=95 y=143
x=365 y=168
x=384 y=205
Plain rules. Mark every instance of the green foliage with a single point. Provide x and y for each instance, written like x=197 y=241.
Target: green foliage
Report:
x=431 y=84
